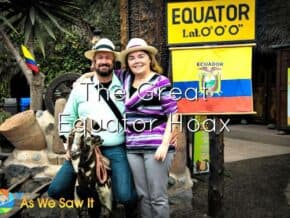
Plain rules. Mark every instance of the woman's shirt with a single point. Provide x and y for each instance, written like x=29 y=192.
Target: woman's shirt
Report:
x=147 y=110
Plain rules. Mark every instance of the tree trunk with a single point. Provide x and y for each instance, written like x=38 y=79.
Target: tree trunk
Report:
x=146 y=19
x=26 y=71
x=36 y=91
x=216 y=176
x=36 y=82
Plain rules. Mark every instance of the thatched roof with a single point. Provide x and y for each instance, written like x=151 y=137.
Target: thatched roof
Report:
x=273 y=23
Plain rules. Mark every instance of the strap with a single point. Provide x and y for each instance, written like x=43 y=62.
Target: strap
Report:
x=112 y=105
x=101 y=170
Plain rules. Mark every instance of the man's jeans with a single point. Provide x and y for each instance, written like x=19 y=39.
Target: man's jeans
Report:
x=122 y=180
x=62 y=186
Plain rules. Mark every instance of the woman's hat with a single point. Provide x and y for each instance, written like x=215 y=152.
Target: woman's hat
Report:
x=103 y=44
x=137 y=44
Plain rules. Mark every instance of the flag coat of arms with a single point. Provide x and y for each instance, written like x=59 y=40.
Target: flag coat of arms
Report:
x=213 y=80
x=29 y=59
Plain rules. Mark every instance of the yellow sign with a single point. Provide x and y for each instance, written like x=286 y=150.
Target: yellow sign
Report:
x=210 y=21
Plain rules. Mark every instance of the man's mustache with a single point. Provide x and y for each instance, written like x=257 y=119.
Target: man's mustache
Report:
x=104 y=65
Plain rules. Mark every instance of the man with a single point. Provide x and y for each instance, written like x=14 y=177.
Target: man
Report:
x=86 y=101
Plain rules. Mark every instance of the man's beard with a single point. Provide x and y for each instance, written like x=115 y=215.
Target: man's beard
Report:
x=104 y=73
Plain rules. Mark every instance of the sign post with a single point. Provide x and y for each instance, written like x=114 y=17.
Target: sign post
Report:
x=288 y=99
x=211 y=51
x=216 y=176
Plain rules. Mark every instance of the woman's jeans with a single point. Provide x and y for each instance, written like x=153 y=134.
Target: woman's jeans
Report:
x=122 y=180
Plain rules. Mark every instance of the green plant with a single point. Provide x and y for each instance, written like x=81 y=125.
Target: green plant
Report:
x=66 y=56
x=4 y=115
x=4 y=91
x=5 y=145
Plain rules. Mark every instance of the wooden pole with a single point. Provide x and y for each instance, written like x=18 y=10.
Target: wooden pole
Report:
x=216 y=176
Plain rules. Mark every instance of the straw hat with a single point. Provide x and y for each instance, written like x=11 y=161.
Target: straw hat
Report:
x=137 y=44
x=103 y=44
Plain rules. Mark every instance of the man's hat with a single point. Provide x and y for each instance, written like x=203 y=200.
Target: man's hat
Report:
x=137 y=44
x=102 y=45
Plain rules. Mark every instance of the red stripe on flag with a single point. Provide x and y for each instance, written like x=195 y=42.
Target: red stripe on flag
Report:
x=216 y=105
x=34 y=68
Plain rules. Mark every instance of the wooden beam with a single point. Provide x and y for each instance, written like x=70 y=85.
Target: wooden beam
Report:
x=147 y=20
x=124 y=13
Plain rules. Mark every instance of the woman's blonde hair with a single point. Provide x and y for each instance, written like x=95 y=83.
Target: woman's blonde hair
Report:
x=154 y=65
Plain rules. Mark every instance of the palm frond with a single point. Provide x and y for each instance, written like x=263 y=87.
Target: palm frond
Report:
x=40 y=38
x=32 y=15
x=27 y=30
x=6 y=23
x=53 y=20
x=47 y=28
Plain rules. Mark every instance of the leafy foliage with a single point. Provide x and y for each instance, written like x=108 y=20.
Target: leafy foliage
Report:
x=3 y=141
x=4 y=115
x=65 y=56
x=4 y=89
x=105 y=15
x=37 y=19
x=8 y=68
x=66 y=53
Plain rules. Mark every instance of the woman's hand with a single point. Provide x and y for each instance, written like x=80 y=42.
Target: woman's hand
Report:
x=161 y=152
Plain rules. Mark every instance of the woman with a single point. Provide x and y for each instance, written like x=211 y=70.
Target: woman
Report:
x=150 y=111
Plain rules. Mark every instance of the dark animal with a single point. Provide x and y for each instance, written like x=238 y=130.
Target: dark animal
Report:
x=93 y=181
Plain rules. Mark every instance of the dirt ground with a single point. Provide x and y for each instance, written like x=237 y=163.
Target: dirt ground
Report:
x=254 y=188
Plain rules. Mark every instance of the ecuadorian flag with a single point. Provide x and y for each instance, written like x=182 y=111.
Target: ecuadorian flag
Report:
x=29 y=59
x=213 y=80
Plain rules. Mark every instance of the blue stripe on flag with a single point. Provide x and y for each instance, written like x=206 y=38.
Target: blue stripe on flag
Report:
x=229 y=88
x=29 y=61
